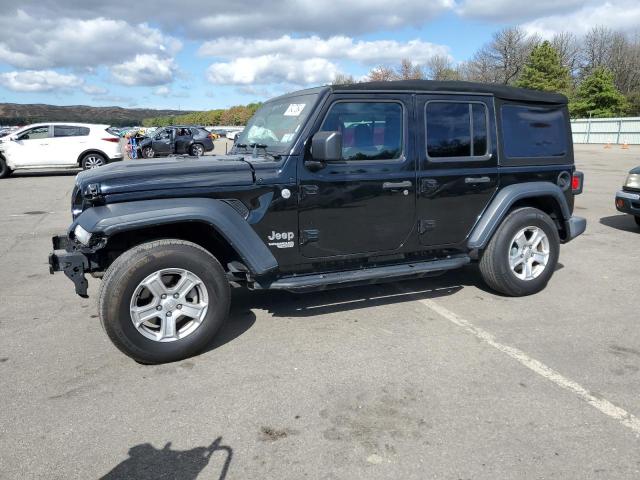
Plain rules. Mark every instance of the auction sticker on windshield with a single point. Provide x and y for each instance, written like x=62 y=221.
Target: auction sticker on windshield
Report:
x=294 y=109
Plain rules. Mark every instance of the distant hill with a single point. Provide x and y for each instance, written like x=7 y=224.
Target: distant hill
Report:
x=22 y=114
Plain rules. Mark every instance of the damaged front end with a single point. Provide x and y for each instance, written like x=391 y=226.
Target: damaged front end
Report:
x=74 y=254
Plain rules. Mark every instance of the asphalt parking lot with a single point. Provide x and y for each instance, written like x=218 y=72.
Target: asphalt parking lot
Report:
x=437 y=378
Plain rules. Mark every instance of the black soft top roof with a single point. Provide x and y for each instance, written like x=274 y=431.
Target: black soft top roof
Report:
x=500 y=91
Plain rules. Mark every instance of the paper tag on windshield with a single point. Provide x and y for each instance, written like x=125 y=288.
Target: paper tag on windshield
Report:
x=294 y=109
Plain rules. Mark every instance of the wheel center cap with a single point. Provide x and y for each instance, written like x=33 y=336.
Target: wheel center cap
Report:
x=169 y=304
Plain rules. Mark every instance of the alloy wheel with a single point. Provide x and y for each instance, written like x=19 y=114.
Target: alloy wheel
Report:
x=529 y=253
x=169 y=305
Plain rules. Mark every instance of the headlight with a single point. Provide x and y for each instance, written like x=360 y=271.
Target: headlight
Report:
x=82 y=235
x=633 y=181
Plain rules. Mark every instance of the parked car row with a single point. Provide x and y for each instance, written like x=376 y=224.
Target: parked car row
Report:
x=59 y=145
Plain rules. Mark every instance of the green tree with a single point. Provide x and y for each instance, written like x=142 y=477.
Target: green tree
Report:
x=544 y=71
x=597 y=96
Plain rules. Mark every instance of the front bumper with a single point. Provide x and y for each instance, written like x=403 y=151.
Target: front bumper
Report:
x=73 y=263
x=628 y=202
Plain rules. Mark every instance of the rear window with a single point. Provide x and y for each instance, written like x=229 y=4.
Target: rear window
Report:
x=531 y=132
x=69 y=131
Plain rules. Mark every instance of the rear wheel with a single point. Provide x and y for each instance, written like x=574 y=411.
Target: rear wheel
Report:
x=522 y=254
x=5 y=171
x=196 y=150
x=637 y=219
x=164 y=300
x=93 y=160
x=148 y=152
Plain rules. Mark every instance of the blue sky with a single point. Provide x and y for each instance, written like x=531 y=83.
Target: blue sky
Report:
x=68 y=52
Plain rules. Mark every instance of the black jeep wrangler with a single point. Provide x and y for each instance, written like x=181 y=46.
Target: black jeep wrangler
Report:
x=326 y=187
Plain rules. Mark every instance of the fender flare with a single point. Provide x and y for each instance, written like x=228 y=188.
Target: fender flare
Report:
x=116 y=218
x=502 y=202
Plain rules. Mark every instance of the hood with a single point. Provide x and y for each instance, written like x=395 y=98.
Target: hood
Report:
x=167 y=173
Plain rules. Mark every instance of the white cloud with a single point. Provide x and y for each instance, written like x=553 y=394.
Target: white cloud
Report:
x=145 y=69
x=254 y=18
x=334 y=48
x=94 y=90
x=27 y=41
x=39 y=81
x=275 y=68
x=508 y=10
x=619 y=15
x=162 y=91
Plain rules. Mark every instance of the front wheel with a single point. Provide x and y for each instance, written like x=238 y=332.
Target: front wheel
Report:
x=522 y=254
x=196 y=150
x=637 y=219
x=164 y=300
x=148 y=152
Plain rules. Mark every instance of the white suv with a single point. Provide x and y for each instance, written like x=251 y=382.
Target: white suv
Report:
x=58 y=145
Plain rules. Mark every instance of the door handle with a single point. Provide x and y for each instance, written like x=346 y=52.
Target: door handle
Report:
x=477 y=180
x=396 y=185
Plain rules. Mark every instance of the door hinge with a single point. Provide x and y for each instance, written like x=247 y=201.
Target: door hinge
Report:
x=425 y=226
x=309 y=236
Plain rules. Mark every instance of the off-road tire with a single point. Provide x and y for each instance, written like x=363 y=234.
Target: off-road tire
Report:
x=125 y=274
x=494 y=262
x=148 y=152
x=196 y=150
x=5 y=171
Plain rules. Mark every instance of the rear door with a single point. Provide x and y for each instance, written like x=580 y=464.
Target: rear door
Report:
x=458 y=170
x=364 y=203
x=67 y=143
x=184 y=138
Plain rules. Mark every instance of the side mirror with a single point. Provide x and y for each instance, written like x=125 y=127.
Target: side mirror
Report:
x=327 y=146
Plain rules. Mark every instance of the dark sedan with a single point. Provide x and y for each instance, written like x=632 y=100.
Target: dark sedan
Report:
x=628 y=199
x=176 y=140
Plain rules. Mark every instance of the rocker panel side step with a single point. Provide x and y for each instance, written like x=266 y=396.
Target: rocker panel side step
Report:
x=303 y=282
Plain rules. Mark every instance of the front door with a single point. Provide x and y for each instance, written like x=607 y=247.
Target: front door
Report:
x=458 y=173
x=30 y=148
x=164 y=142
x=364 y=203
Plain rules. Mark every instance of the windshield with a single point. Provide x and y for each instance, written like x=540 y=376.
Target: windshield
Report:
x=277 y=123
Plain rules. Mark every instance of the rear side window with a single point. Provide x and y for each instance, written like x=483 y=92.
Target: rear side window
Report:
x=370 y=130
x=456 y=130
x=69 y=131
x=531 y=132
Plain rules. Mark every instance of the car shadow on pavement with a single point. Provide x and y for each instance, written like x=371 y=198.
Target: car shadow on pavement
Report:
x=45 y=173
x=623 y=222
x=145 y=462
x=287 y=304
x=240 y=320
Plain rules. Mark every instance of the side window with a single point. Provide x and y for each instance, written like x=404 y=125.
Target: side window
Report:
x=456 y=129
x=69 y=131
x=534 y=131
x=35 y=133
x=370 y=130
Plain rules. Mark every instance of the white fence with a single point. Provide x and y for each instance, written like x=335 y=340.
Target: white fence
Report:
x=606 y=130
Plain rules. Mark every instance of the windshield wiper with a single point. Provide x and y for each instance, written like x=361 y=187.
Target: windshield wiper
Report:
x=264 y=147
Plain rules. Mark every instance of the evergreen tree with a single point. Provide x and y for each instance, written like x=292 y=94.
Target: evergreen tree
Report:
x=544 y=71
x=597 y=96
